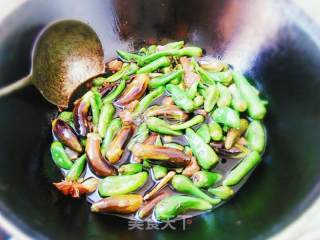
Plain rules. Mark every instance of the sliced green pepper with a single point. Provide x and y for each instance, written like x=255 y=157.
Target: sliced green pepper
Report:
x=170 y=207
x=161 y=126
x=193 y=121
x=147 y=100
x=59 y=156
x=256 y=136
x=130 y=169
x=116 y=185
x=205 y=155
x=115 y=93
x=164 y=79
x=183 y=184
x=256 y=108
x=105 y=118
x=227 y=116
x=156 y=64
x=242 y=169
x=204 y=132
x=114 y=126
x=77 y=168
x=180 y=98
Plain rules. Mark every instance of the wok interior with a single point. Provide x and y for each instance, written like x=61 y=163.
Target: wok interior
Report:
x=261 y=38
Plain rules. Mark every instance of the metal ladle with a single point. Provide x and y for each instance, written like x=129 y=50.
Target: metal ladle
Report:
x=66 y=54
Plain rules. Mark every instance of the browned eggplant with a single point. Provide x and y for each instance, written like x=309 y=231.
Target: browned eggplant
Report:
x=161 y=155
x=151 y=139
x=232 y=153
x=128 y=203
x=148 y=206
x=66 y=135
x=170 y=112
x=76 y=189
x=98 y=164
x=117 y=145
x=108 y=87
x=134 y=91
x=190 y=77
x=80 y=116
x=115 y=65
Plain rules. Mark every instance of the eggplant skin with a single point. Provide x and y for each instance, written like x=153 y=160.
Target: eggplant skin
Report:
x=98 y=164
x=66 y=135
x=80 y=116
x=125 y=204
x=161 y=155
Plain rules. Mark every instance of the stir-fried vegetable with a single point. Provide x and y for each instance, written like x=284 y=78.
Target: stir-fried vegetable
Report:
x=162 y=124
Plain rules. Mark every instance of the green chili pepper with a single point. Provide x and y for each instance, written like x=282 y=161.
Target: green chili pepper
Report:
x=238 y=103
x=158 y=141
x=59 y=156
x=256 y=136
x=242 y=169
x=67 y=117
x=192 y=91
x=130 y=169
x=174 y=45
x=213 y=77
x=161 y=126
x=116 y=185
x=115 y=93
x=105 y=118
x=146 y=164
x=187 y=51
x=129 y=57
x=256 y=108
x=210 y=98
x=172 y=206
x=125 y=71
x=193 y=121
x=96 y=104
x=167 y=70
x=147 y=100
x=190 y=52
x=152 y=57
x=227 y=116
x=83 y=142
x=180 y=98
x=114 y=126
x=205 y=155
x=77 y=168
x=224 y=96
x=140 y=135
x=143 y=51
x=159 y=171
x=183 y=184
x=215 y=131
x=156 y=64
x=222 y=192
x=198 y=101
x=204 y=133
x=174 y=145
x=164 y=79
x=176 y=81
x=222 y=77
x=152 y=49
x=204 y=179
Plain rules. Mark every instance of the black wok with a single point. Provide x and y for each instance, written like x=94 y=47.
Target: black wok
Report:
x=270 y=40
